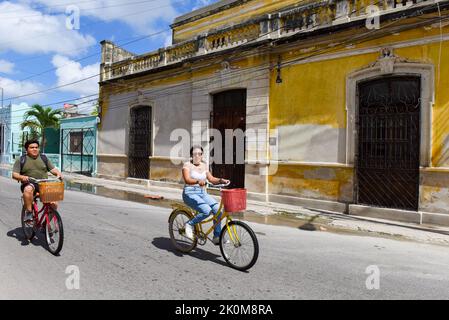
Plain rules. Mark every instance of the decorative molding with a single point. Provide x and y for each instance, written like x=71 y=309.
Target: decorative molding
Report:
x=394 y=66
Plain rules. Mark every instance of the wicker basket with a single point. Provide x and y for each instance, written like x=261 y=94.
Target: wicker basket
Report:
x=51 y=191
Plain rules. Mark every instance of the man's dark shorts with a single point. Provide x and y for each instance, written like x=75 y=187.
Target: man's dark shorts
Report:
x=35 y=185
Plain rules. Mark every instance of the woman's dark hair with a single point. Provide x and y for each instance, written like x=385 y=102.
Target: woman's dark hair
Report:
x=194 y=148
x=30 y=142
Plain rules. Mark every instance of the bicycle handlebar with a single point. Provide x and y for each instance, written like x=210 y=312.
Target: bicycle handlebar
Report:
x=218 y=185
x=44 y=180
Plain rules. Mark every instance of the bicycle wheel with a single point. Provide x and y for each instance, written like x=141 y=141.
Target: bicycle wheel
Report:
x=54 y=232
x=176 y=228
x=27 y=227
x=239 y=246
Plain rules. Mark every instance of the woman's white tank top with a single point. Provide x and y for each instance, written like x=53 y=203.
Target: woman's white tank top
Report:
x=195 y=175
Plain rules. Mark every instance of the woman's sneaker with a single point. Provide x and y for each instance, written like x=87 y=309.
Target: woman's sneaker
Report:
x=189 y=231
x=28 y=218
x=216 y=241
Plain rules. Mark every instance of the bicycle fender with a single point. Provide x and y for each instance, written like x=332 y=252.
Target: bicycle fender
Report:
x=175 y=211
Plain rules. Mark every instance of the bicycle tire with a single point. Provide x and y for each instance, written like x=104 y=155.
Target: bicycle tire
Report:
x=178 y=229
x=223 y=237
x=28 y=231
x=54 y=250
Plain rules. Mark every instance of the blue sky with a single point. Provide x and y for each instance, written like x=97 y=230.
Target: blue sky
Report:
x=38 y=51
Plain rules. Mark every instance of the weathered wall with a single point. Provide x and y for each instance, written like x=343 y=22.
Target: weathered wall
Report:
x=232 y=16
x=309 y=111
x=334 y=183
x=171 y=109
x=251 y=74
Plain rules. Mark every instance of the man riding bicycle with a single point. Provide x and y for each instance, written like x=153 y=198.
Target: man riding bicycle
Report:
x=33 y=165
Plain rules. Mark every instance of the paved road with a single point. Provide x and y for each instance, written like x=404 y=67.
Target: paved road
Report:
x=122 y=250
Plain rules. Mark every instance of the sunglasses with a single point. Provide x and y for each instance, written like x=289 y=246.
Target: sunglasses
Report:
x=197 y=153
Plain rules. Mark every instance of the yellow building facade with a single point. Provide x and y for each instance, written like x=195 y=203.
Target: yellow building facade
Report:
x=344 y=104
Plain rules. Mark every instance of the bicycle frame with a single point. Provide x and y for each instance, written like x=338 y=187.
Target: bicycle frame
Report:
x=37 y=212
x=224 y=215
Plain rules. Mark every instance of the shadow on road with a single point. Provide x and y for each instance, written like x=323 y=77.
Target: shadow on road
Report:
x=38 y=240
x=165 y=244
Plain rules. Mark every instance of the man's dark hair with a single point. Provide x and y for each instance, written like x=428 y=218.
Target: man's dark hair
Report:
x=30 y=142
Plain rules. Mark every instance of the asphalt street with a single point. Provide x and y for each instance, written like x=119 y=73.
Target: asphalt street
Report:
x=122 y=251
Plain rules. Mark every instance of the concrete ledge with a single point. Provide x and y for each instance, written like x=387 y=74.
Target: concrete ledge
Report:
x=386 y=214
x=140 y=182
x=435 y=218
x=309 y=203
x=164 y=184
x=260 y=197
x=108 y=177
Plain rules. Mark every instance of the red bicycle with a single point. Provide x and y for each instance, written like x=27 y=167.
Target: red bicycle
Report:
x=46 y=219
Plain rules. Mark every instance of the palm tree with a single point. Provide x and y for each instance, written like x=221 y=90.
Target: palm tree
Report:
x=39 y=118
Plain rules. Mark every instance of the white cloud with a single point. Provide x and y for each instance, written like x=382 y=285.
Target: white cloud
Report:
x=26 y=30
x=14 y=88
x=6 y=66
x=143 y=16
x=71 y=71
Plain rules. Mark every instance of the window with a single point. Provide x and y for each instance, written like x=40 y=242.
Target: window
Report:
x=76 y=140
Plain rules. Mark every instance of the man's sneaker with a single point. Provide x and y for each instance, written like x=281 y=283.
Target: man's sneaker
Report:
x=189 y=231
x=28 y=217
x=216 y=241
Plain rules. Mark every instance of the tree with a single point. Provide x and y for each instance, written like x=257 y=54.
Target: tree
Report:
x=95 y=110
x=39 y=118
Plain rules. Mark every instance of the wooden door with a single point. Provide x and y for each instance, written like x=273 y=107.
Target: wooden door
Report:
x=229 y=112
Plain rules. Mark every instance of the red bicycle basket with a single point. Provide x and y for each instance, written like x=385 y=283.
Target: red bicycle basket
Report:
x=234 y=200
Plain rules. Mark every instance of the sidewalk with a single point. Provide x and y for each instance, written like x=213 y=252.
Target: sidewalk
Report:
x=270 y=213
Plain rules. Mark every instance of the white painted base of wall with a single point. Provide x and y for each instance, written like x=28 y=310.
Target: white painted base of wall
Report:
x=400 y=215
x=309 y=203
x=386 y=214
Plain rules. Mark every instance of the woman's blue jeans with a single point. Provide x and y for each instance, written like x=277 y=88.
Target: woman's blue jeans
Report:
x=199 y=200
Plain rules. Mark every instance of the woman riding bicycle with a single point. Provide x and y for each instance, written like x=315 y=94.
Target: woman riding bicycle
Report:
x=196 y=175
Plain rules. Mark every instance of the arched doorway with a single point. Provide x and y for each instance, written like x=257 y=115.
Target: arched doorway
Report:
x=140 y=133
x=388 y=145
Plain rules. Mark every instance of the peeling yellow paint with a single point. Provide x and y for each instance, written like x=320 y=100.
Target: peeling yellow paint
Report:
x=295 y=180
x=229 y=17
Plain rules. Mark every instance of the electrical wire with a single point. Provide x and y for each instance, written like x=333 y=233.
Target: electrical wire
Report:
x=352 y=38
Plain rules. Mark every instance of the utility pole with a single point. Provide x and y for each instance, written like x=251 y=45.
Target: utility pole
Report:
x=2 y=130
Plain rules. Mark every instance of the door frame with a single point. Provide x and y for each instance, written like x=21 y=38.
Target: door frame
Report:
x=150 y=106
x=391 y=65
x=358 y=170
